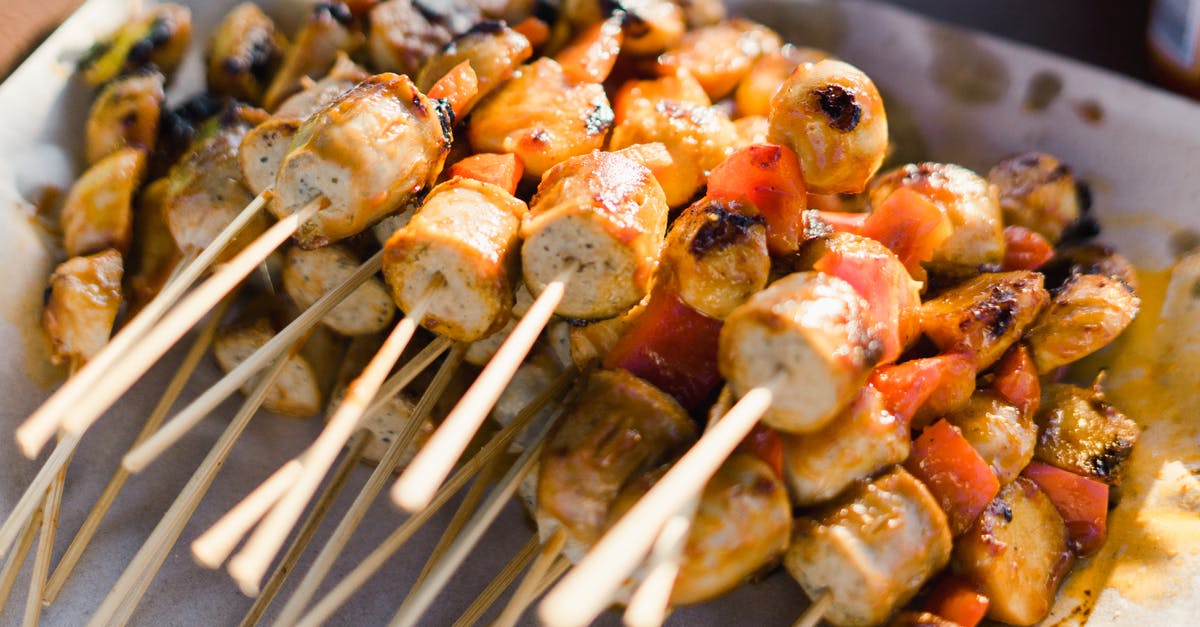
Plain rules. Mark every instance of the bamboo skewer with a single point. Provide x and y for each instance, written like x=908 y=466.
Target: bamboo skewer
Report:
x=309 y=528
x=813 y=614
x=51 y=509
x=12 y=567
x=35 y=493
x=213 y=547
x=497 y=586
x=33 y=434
x=587 y=589
x=141 y=456
x=352 y=581
x=530 y=586
x=466 y=508
x=650 y=603
x=423 y=595
x=417 y=485
x=118 y=606
x=251 y=563
x=354 y=515
x=91 y=524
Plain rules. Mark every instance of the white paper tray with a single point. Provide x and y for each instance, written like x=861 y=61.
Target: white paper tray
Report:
x=1141 y=159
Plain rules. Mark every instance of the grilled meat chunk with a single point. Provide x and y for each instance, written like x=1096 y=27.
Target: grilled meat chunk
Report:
x=985 y=315
x=1086 y=314
x=81 y=305
x=1002 y=434
x=309 y=274
x=1037 y=192
x=720 y=55
x=494 y=50
x=243 y=54
x=1079 y=432
x=329 y=29
x=297 y=390
x=98 y=212
x=125 y=114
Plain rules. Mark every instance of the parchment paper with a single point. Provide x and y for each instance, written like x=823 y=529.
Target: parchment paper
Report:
x=950 y=95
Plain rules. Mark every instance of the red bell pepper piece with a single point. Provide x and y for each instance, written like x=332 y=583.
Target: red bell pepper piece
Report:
x=941 y=384
x=1025 y=249
x=672 y=346
x=911 y=226
x=765 y=444
x=957 y=476
x=1017 y=380
x=953 y=599
x=893 y=296
x=1081 y=501
x=458 y=87
x=768 y=176
x=503 y=170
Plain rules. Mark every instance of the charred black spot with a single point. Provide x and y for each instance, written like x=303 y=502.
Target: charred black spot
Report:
x=1084 y=193
x=46 y=295
x=336 y=10
x=1107 y=464
x=599 y=120
x=432 y=13
x=545 y=11
x=445 y=116
x=177 y=127
x=157 y=36
x=129 y=119
x=722 y=227
x=487 y=27
x=1001 y=509
x=418 y=105
x=234 y=65
x=996 y=314
x=839 y=106
x=262 y=57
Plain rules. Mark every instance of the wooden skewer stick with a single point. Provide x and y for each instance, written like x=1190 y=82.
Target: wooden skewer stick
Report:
x=557 y=570
x=466 y=507
x=251 y=563
x=354 y=515
x=497 y=586
x=141 y=456
x=87 y=531
x=528 y=589
x=35 y=493
x=587 y=589
x=423 y=596
x=118 y=606
x=352 y=581
x=650 y=602
x=51 y=509
x=12 y=568
x=813 y=614
x=174 y=324
x=213 y=547
x=33 y=434
x=309 y=528
x=417 y=485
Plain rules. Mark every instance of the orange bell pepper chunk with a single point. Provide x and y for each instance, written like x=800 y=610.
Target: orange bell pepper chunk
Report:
x=503 y=170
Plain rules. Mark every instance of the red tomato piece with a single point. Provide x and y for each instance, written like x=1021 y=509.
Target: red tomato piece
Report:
x=674 y=347
x=954 y=599
x=1025 y=249
x=894 y=298
x=765 y=444
x=957 y=476
x=1081 y=501
x=769 y=177
x=1017 y=379
x=910 y=225
x=938 y=381
x=504 y=170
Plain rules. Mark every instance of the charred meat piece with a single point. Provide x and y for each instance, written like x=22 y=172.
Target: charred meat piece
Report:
x=81 y=305
x=1001 y=433
x=985 y=315
x=405 y=33
x=153 y=255
x=98 y=212
x=243 y=54
x=1086 y=314
x=1037 y=192
x=1016 y=554
x=495 y=52
x=1079 y=432
x=872 y=550
x=125 y=114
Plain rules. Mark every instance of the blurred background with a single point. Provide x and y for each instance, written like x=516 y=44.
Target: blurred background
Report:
x=1107 y=33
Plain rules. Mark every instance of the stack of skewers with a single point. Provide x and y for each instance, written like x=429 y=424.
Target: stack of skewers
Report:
x=652 y=244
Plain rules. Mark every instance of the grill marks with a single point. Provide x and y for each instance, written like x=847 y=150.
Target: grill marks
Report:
x=839 y=106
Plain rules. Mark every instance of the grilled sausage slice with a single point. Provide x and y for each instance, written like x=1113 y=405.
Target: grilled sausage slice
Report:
x=620 y=428
x=494 y=50
x=327 y=31
x=872 y=551
x=985 y=315
x=1016 y=553
x=366 y=153
x=125 y=114
x=810 y=336
x=296 y=392
x=832 y=116
x=602 y=217
x=81 y=305
x=309 y=274
x=864 y=439
x=98 y=212
x=459 y=252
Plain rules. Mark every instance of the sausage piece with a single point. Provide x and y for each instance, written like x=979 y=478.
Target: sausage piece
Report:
x=309 y=274
x=873 y=550
x=810 y=336
x=602 y=218
x=125 y=114
x=459 y=253
x=832 y=116
x=719 y=56
x=98 y=212
x=81 y=305
x=620 y=428
x=297 y=390
x=327 y=31
x=366 y=154
x=862 y=440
